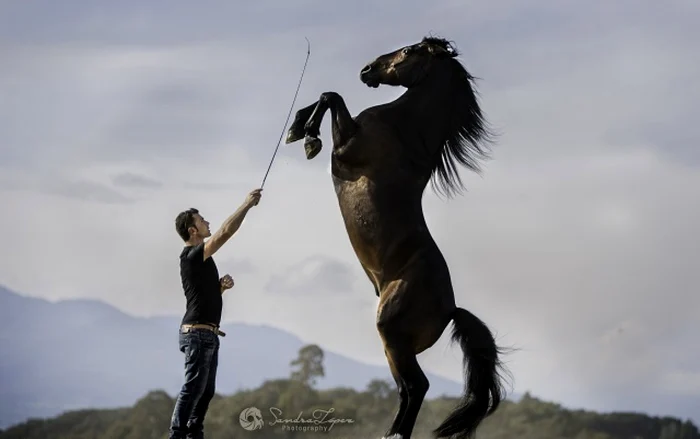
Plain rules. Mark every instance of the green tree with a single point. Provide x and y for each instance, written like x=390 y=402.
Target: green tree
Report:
x=380 y=389
x=669 y=431
x=308 y=366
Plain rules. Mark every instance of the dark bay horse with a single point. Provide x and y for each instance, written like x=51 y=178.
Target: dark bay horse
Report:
x=382 y=161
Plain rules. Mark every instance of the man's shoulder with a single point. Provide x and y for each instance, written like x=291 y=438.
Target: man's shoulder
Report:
x=192 y=253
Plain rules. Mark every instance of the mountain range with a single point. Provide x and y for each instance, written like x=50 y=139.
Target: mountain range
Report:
x=74 y=354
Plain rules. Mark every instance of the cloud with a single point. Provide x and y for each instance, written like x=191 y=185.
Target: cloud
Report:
x=76 y=187
x=85 y=190
x=131 y=180
x=577 y=245
x=318 y=274
x=237 y=266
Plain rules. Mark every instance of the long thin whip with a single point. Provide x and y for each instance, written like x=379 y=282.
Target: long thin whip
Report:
x=308 y=52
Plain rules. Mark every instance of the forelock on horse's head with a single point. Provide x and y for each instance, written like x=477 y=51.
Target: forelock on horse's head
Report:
x=440 y=46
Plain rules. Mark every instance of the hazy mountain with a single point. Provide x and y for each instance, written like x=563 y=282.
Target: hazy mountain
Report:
x=84 y=353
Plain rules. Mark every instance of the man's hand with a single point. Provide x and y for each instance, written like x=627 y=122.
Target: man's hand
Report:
x=231 y=225
x=253 y=198
x=226 y=283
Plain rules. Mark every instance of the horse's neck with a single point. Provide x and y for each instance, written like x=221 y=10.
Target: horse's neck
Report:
x=426 y=108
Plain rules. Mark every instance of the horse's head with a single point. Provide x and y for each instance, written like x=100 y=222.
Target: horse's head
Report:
x=408 y=65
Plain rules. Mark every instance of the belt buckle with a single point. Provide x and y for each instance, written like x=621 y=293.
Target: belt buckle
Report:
x=188 y=327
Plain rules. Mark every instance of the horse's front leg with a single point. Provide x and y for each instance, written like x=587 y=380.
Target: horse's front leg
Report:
x=297 y=130
x=343 y=125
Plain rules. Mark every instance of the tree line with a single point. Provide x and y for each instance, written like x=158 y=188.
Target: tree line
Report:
x=295 y=408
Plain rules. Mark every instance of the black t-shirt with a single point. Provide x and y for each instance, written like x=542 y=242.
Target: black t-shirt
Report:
x=200 y=282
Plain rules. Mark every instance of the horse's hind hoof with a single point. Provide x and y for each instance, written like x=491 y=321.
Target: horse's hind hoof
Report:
x=312 y=146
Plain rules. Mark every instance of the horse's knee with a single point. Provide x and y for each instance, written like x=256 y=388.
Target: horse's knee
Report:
x=328 y=96
x=413 y=381
x=402 y=391
x=386 y=325
x=419 y=385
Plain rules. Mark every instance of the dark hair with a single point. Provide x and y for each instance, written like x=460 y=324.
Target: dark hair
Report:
x=184 y=221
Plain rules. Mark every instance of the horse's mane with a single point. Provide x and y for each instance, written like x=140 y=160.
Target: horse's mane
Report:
x=469 y=137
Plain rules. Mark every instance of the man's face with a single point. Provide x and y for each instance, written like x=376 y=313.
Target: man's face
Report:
x=201 y=226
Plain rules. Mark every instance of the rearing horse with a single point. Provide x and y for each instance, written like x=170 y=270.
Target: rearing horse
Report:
x=381 y=163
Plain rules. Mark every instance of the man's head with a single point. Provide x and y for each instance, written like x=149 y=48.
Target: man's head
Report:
x=191 y=226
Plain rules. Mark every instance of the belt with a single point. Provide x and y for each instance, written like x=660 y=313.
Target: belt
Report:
x=213 y=328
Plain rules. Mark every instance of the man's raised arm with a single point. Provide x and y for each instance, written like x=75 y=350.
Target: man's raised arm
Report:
x=231 y=225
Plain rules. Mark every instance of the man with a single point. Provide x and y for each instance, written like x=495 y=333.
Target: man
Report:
x=199 y=332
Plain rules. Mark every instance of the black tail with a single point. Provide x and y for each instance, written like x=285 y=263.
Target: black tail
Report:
x=484 y=390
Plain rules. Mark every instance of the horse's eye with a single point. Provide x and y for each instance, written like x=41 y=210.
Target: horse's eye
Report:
x=406 y=50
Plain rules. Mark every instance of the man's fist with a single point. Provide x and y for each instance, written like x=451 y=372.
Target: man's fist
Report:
x=226 y=283
x=254 y=197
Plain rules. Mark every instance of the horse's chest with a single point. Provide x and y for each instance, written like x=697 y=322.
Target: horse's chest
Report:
x=356 y=204
x=355 y=199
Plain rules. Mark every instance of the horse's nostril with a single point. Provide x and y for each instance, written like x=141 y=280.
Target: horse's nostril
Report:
x=367 y=68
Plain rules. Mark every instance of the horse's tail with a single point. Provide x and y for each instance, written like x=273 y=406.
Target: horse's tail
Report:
x=484 y=390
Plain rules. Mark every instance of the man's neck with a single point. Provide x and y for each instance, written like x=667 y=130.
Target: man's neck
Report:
x=194 y=241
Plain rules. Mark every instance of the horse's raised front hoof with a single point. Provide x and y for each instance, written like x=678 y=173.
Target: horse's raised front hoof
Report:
x=312 y=146
x=295 y=132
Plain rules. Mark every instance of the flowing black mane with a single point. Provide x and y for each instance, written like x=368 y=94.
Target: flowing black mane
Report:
x=468 y=138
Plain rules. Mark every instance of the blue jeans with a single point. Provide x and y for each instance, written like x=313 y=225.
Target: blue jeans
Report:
x=201 y=349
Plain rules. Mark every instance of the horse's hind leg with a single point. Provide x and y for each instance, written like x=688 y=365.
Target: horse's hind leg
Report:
x=403 y=397
x=410 y=321
x=412 y=382
x=406 y=328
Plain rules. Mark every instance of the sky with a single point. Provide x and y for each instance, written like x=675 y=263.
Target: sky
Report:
x=577 y=245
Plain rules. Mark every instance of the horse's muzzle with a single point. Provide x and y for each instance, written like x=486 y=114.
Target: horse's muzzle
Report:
x=369 y=77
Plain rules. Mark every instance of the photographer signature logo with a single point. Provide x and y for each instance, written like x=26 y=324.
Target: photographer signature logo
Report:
x=320 y=420
x=251 y=419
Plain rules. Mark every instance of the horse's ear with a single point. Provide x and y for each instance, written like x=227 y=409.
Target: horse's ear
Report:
x=442 y=51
